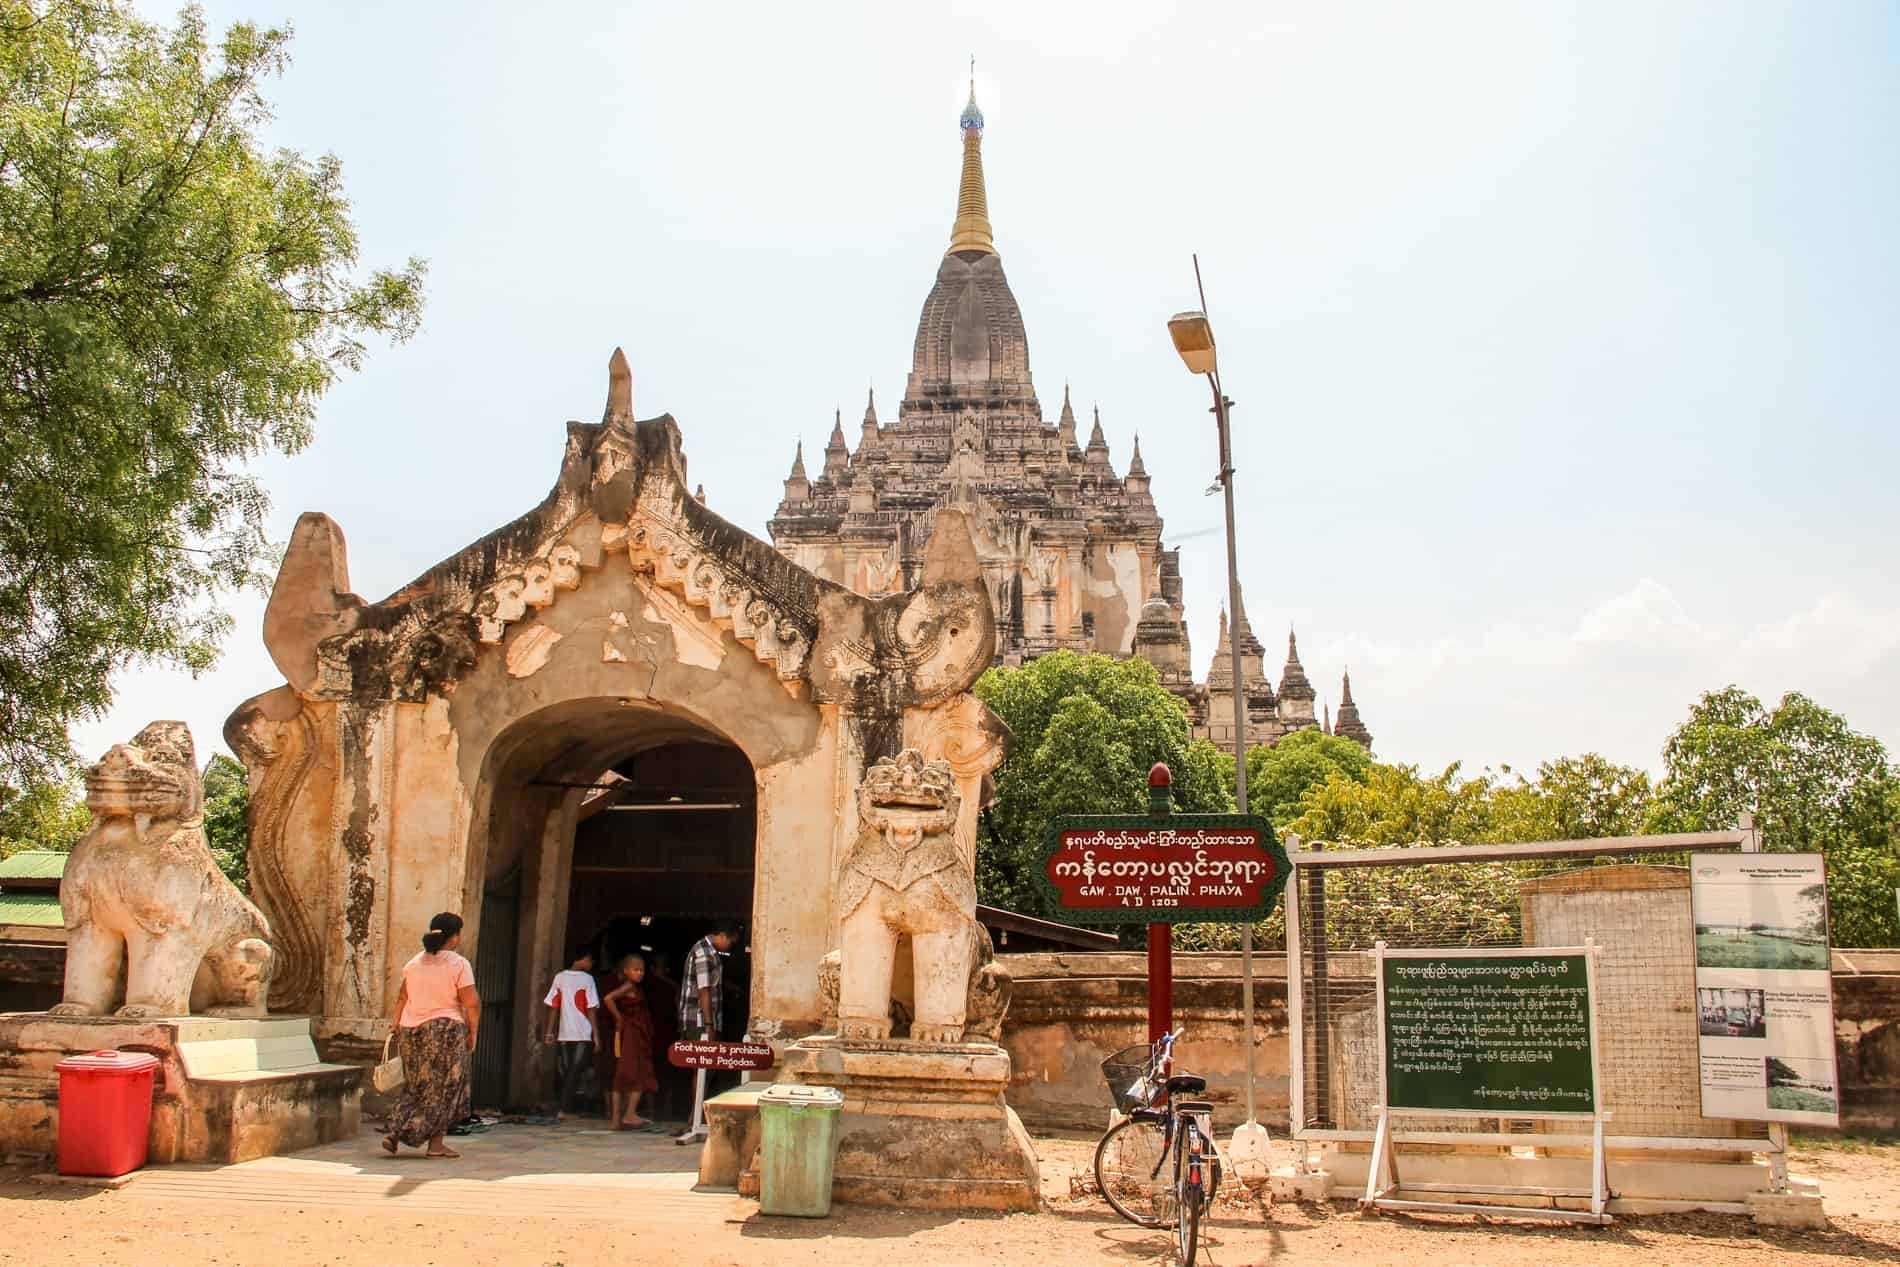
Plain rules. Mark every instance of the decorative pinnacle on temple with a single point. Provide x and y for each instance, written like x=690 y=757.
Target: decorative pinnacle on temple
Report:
x=1293 y=681
x=798 y=462
x=1345 y=691
x=971 y=232
x=619 y=389
x=1134 y=463
x=1096 y=439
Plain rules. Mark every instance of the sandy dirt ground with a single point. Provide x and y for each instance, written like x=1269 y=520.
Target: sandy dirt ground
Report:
x=287 y=1219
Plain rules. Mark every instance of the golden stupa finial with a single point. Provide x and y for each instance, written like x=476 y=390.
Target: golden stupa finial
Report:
x=971 y=232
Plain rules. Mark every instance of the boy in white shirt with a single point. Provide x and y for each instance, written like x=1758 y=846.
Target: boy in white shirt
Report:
x=572 y=1000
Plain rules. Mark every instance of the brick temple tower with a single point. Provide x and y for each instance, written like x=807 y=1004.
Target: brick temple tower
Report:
x=1071 y=550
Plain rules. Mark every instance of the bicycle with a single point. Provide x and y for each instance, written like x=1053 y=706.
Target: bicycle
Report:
x=1160 y=1130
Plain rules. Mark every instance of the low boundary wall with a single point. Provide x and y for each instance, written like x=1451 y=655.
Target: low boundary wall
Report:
x=1069 y=1010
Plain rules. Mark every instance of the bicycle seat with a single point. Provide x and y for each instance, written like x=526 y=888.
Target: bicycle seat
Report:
x=1149 y=1115
x=1186 y=1084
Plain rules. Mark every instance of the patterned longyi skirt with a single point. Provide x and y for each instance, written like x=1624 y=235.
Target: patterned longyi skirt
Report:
x=434 y=1080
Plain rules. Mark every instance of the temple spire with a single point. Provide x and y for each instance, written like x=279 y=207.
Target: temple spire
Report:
x=1349 y=725
x=867 y=438
x=1296 y=692
x=1135 y=466
x=797 y=486
x=971 y=232
x=837 y=456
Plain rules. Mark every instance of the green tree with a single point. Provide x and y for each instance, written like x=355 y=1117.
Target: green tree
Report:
x=1572 y=798
x=1813 y=783
x=50 y=814
x=228 y=818
x=174 y=299
x=1278 y=776
x=1087 y=728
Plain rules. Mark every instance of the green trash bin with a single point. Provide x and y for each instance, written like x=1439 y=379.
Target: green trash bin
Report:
x=798 y=1138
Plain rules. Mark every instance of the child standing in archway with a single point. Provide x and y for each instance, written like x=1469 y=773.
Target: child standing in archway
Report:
x=572 y=1000
x=634 y=1074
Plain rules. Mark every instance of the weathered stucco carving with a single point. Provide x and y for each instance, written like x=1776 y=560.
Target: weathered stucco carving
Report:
x=276 y=738
x=905 y=876
x=398 y=766
x=149 y=917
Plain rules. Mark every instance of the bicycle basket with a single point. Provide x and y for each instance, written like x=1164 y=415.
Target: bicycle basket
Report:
x=1129 y=1084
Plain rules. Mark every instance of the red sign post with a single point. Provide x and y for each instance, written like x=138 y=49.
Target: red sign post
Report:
x=1161 y=869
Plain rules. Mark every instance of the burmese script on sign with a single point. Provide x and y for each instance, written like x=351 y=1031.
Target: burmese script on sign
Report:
x=1489 y=1033
x=1158 y=868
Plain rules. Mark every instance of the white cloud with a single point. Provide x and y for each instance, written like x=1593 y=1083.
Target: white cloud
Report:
x=1617 y=678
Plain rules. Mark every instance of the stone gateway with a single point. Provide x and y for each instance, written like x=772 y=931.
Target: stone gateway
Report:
x=454 y=745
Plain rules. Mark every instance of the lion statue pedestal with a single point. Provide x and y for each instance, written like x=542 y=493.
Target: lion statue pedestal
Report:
x=155 y=933
x=925 y=1125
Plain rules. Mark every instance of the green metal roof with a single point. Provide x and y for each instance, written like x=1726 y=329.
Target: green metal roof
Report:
x=40 y=910
x=33 y=864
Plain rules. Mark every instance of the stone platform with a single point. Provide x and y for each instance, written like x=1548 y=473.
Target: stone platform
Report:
x=224 y=1091
x=924 y=1126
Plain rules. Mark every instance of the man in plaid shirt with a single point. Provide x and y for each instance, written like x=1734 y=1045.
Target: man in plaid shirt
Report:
x=700 y=1005
x=700 y=1009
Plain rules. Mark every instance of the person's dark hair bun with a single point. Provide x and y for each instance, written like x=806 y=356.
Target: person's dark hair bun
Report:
x=441 y=928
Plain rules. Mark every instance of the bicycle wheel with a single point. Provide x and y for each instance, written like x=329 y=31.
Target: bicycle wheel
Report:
x=1187 y=1222
x=1190 y=1172
x=1126 y=1162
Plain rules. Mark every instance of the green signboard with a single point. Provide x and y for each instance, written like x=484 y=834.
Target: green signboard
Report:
x=1501 y=1033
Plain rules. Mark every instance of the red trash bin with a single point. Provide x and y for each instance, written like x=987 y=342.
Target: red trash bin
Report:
x=105 y=1112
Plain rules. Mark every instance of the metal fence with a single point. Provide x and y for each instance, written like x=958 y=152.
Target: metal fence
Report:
x=1629 y=895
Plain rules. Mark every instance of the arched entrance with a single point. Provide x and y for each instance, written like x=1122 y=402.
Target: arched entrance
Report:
x=616 y=826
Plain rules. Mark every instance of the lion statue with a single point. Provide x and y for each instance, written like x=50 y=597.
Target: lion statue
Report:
x=905 y=876
x=152 y=924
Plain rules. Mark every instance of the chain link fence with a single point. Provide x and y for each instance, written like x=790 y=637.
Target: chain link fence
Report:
x=1630 y=895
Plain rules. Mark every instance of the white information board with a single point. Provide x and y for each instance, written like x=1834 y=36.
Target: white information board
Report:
x=1764 y=1002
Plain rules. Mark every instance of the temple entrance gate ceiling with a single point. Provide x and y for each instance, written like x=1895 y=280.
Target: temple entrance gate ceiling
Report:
x=390 y=773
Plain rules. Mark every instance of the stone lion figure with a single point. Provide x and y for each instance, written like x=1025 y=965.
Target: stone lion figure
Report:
x=150 y=919
x=904 y=875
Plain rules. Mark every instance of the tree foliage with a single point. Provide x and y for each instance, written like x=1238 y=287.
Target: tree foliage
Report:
x=51 y=814
x=228 y=818
x=1813 y=783
x=174 y=299
x=1087 y=728
x=1278 y=776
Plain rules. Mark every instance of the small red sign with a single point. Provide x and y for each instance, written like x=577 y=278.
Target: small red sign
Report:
x=697 y=1055
x=1163 y=867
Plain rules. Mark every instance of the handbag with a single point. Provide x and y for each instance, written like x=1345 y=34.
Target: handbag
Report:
x=387 y=1075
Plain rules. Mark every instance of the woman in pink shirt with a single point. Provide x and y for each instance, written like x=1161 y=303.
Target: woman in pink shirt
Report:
x=437 y=1015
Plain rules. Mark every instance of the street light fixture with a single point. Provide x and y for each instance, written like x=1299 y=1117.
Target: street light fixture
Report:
x=1193 y=338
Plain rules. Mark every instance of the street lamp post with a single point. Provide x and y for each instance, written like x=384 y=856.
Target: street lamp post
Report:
x=1194 y=339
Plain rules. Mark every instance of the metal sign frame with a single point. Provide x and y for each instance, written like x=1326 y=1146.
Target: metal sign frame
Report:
x=1385 y=1160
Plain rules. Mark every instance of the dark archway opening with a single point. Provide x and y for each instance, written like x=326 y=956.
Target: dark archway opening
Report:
x=663 y=852
x=617 y=825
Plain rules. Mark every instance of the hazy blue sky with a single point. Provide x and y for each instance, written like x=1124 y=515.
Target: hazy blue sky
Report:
x=1564 y=336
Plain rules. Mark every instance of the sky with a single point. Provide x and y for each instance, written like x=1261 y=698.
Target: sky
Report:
x=1562 y=337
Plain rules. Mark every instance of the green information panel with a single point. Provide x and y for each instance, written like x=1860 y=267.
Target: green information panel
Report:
x=1476 y=1032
